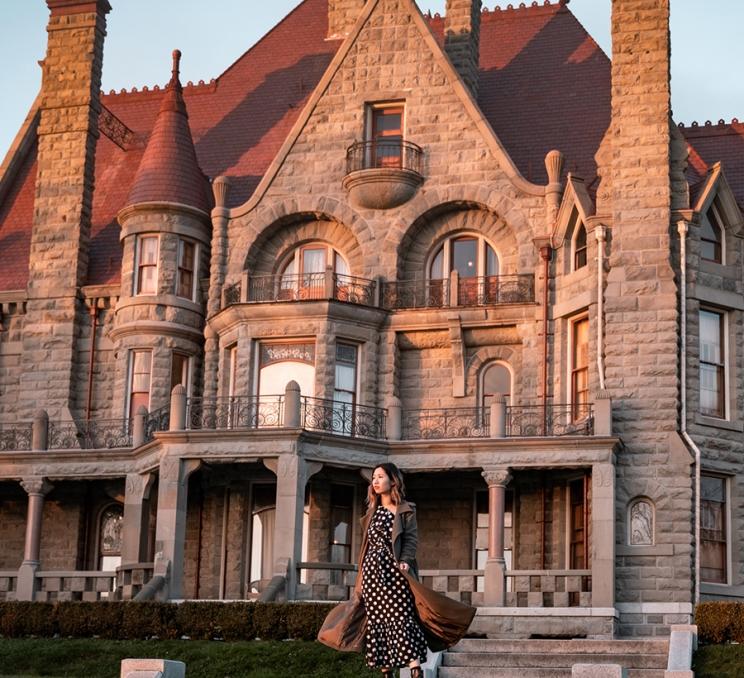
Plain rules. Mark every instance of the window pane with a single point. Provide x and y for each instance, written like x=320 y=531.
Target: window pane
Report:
x=713 y=529
x=147 y=280
x=313 y=260
x=341 y=267
x=387 y=122
x=437 y=266
x=179 y=371
x=710 y=337
x=581 y=344
x=465 y=257
x=148 y=251
x=187 y=255
x=492 y=262
x=345 y=377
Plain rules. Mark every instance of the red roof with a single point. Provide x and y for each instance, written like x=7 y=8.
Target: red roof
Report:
x=169 y=170
x=544 y=84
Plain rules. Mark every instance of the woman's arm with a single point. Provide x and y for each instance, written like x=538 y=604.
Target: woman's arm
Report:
x=409 y=540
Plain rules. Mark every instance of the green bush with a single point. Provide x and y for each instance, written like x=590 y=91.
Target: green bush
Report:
x=720 y=622
x=141 y=621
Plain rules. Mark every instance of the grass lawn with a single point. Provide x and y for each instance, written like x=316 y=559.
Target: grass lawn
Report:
x=719 y=661
x=65 y=658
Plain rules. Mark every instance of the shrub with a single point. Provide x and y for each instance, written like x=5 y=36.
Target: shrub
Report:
x=720 y=622
x=140 y=621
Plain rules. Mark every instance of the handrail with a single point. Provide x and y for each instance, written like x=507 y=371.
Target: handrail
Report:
x=384 y=154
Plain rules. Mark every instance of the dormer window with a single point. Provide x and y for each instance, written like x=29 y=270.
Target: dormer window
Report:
x=579 y=251
x=711 y=235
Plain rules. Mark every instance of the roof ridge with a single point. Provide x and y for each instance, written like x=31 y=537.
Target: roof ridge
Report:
x=696 y=125
x=498 y=9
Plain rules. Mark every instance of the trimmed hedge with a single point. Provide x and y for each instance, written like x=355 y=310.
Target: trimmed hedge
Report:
x=141 y=621
x=720 y=622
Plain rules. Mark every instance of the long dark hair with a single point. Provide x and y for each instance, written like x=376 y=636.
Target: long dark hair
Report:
x=397 y=486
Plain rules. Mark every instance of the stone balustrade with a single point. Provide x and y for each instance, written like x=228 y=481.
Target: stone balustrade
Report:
x=8 y=584
x=459 y=585
x=75 y=585
x=131 y=578
x=549 y=588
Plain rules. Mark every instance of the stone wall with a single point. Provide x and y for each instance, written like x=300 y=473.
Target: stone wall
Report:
x=11 y=363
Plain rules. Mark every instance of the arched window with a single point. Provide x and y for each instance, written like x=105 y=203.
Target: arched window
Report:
x=109 y=537
x=641 y=523
x=470 y=255
x=579 y=251
x=303 y=273
x=711 y=235
x=496 y=377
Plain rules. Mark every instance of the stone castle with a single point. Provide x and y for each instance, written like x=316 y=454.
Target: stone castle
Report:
x=471 y=245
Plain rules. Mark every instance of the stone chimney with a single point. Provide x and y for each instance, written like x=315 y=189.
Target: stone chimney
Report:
x=462 y=39
x=58 y=260
x=342 y=15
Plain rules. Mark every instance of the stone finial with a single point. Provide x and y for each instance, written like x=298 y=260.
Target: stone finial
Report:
x=292 y=405
x=554 y=162
x=176 y=70
x=221 y=189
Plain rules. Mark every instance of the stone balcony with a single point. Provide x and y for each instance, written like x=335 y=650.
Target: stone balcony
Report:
x=383 y=174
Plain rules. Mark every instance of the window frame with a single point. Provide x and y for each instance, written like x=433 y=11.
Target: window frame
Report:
x=720 y=225
x=189 y=369
x=575 y=251
x=337 y=576
x=572 y=370
x=128 y=414
x=727 y=480
x=481 y=379
x=724 y=366
x=370 y=132
x=194 y=272
x=138 y=265
x=445 y=246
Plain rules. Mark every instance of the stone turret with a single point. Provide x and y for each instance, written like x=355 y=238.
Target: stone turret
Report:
x=165 y=233
x=462 y=39
x=342 y=15
x=58 y=259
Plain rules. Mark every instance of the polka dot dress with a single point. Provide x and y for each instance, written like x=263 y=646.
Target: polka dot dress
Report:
x=394 y=637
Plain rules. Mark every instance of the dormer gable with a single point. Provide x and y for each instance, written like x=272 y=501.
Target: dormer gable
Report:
x=573 y=225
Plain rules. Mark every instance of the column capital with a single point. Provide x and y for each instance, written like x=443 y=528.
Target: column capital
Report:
x=138 y=486
x=496 y=475
x=36 y=485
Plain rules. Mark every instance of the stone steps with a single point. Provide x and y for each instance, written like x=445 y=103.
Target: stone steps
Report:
x=473 y=658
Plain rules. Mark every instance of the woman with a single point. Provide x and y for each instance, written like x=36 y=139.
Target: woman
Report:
x=394 y=637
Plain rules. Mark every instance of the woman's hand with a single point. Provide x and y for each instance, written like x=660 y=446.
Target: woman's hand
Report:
x=405 y=567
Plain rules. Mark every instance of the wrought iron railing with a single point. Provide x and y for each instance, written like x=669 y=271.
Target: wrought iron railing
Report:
x=157 y=420
x=15 y=437
x=272 y=288
x=235 y=412
x=447 y=422
x=496 y=289
x=390 y=154
x=231 y=294
x=549 y=420
x=415 y=294
x=90 y=435
x=354 y=290
x=345 y=419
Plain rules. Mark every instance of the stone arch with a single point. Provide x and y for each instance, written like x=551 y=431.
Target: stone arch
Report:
x=641 y=521
x=280 y=238
x=443 y=221
x=269 y=219
x=490 y=354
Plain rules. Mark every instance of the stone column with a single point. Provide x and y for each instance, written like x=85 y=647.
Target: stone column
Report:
x=292 y=473
x=495 y=578
x=603 y=535
x=170 y=531
x=134 y=527
x=37 y=488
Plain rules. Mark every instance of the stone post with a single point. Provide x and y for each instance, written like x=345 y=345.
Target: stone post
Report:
x=138 y=428
x=292 y=405
x=498 y=416
x=462 y=39
x=178 y=408
x=292 y=473
x=454 y=288
x=37 y=488
x=603 y=414
x=152 y=668
x=170 y=532
x=134 y=526
x=495 y=576
x=329 y=283
x=603 y=535
x=394 y=421
x=245 y=286
x=40 y=431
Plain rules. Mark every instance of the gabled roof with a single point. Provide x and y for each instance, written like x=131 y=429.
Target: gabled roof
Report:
x=544 y=84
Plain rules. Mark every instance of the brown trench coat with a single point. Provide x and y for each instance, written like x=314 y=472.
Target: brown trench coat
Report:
x=444 y=621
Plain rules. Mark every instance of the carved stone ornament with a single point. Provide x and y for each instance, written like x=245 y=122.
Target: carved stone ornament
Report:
x=497 y=476
x=642 y=524
x=37 y=485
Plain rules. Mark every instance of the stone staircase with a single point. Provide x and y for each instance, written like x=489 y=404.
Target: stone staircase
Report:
x=475 y=658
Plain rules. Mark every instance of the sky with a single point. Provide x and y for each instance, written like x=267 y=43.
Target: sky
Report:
x=706 y=38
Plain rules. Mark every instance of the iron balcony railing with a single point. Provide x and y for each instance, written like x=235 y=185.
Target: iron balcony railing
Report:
x=15 y=437
x=157 y=420
x=384 y=154
x=235 y=412
x=439 y=293
x=346 y=419
x=527 y=421
x=446 y=422
x=90 y=435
